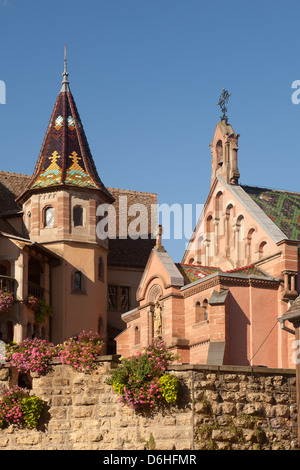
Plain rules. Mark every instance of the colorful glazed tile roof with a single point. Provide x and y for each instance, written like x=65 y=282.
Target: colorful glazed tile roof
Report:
x=192 y=273
x=65 y=157
x=282 y=207
x=248 y=271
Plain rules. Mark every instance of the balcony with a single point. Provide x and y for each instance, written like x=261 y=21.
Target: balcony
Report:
x=8 y=283
x=36 y=290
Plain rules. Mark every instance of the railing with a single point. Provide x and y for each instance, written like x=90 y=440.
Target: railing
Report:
x=35 y=290
x=8 y=283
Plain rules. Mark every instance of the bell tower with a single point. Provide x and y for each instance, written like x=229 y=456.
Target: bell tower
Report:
x=59 y=206
x=224 y=147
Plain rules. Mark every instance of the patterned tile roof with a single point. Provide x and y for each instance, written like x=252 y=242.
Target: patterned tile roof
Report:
x=65 y=157
x=248 y=271
x=129 y=252
x=282 y=207
x=192 y=273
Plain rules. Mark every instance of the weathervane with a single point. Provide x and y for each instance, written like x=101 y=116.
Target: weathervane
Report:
x=222 y=103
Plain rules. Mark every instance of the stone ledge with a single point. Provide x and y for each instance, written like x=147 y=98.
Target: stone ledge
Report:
x=234 y=369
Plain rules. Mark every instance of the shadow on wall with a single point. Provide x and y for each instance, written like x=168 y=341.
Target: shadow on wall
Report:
x=238 y=325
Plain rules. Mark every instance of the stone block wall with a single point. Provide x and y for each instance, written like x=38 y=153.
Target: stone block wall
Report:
x=219 y=407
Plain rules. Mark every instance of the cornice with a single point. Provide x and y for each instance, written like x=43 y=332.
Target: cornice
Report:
x=226 y=280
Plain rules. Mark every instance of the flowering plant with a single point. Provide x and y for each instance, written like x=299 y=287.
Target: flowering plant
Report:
x=40 y=307
x=32 y=303
x=31 y=354
x=80 y=351
x=17 y=407
x=141 y=380
x=6 y=300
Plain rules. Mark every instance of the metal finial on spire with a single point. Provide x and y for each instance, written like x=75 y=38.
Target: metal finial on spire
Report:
x=65 y=82
x=222 y=103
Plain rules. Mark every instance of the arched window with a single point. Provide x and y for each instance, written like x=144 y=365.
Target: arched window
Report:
x=28 y=330
x=100 y=268
x=36 y=330
x=49 y=217
x=204 y=309
x=219 y=149
x=29 y=221
x=262 y=250
x=249 y=245
x=78 y=216
x=219 y=203
x=77 y=281
x=198 y=312
x=209 y=225
x=9 y=331
x=201 y=311
x=100 y=325
x=137 y=335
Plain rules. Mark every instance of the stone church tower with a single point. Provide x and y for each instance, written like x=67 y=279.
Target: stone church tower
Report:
x=59 y=206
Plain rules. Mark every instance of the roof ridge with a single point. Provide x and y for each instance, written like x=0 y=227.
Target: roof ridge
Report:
x=130 y=190
x=269 y=189
x=243 y=267
x=12 y=173
x=198 y=265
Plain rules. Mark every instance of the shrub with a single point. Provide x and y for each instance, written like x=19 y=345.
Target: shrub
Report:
x=17 y=407
x=141 y=380
x=80 y=351
x=169 y=387
x=6 y=300
x=32 y=407
x=31 y=355
x=40 y=308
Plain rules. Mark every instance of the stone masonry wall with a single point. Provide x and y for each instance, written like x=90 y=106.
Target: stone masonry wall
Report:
x=219 y=407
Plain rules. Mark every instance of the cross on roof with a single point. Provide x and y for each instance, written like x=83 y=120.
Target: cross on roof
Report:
x=223 y=100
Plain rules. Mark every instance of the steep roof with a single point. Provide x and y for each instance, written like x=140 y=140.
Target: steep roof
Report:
x=65 y=157
x=282 y=207
x=11 y=186
x=255 y=210
x=192 y=273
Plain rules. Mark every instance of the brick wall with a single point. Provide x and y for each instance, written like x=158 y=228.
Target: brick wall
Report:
x=219 y=408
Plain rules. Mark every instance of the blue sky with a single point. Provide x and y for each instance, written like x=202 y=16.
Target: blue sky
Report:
x=146 y=76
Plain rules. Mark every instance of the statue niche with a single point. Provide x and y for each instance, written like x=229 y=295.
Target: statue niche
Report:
x=157 y=320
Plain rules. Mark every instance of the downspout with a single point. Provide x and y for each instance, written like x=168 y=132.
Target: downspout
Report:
x=285 y=328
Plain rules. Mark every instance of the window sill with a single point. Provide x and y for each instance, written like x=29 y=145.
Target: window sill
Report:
x=200 y=323
x=79 y=292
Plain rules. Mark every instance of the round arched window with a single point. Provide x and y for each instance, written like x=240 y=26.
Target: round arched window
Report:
x=49 y=217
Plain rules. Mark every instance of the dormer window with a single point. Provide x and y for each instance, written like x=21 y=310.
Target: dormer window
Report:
x=49 y=217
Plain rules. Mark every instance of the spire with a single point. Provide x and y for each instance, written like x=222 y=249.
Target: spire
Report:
x=65 y=158
x=65 y=82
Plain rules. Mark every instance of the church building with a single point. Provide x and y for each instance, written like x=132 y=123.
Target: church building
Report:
x=238 y=275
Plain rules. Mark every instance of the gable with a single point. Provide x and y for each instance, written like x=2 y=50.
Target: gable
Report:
x=159 y=268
